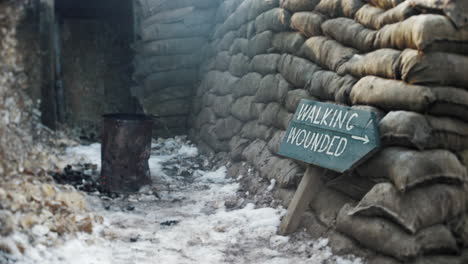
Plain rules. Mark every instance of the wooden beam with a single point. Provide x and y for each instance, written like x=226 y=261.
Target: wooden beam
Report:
x=307 y=190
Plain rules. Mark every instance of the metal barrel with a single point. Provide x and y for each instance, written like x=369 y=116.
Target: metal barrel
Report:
x=125 y=151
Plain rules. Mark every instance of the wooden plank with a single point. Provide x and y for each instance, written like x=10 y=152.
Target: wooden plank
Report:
x=306 y=191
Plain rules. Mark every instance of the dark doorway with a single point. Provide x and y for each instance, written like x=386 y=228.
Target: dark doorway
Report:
x=93 y=61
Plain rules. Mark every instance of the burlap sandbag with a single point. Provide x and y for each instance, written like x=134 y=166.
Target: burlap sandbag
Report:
x=222 y=60
x=167 y=17
x=299 y=5
x=327 y=85
x=326 y=52
x=207 y=136
x=276 y=20
x=308 y=23
x=297 y=71
x=410 y=129
x=245 y=109
x=226 y=128
x=413 y=210
x=145 y=66
x=327 y=204
x=265 y=63
x=260 y=43
x=352 y=185
x=375 y=18
x=387 y=238
x=269 y=114
x=385 y=4
x=339 y=8
x=382 y=62
x=177 y=30
x=450 y=102
x=225 y=9
x=227 y=41
x=220 y=83
x=160 y=80
x=426 y=32
x=237 y=144
x=235 y=19
x=170 y=46
x=170 y=93
x=407 y=168
x=275 y=141
x=239 y=45
x=286 y=172
x=222 y=105
x=287 y=42
x=391 y=95
x=247 y=85
x=350 y=33
x=294 y=97
x=283 y=119
x=253 y=130
x=200 y=16
x=239 y=65
x=273 y=88
x=437 y=68
x=252 y=152
x=206 y=116
x=459 y=227
x=457 y=11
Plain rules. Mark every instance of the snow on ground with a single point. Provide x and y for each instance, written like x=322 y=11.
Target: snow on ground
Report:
x=190 y=222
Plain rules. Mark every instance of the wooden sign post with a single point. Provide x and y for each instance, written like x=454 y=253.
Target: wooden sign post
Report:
x=329 y=136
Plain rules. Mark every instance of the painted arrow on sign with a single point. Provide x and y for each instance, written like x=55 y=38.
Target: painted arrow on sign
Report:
x=330 y=136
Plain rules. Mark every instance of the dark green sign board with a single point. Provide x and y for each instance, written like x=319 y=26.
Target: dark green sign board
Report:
x=330 y=136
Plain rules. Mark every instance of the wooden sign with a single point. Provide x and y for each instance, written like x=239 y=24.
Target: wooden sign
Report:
x=330 y=136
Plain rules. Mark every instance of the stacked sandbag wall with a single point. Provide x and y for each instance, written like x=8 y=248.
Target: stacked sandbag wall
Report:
x=171 y=39
x=404 y=60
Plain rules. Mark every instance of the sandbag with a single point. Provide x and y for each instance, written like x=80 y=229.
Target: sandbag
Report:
x=247 y=85
x=457 y=11
x=273 y=88
x=450 y=102
x=283 y=118
x=265 y=63
x=275 y=141
x=327 y=85
x=146 y=66
x=260 y=43
x=426 y=32
x=285 y=171
x=220 y=83
x=168 y=17
x=459 y=227
x=171 y=122
x=170 y=31
x=413 y=210
x=351 y=185
x=252 y=152
x=297 y=71
x=170 y=46
x=385 y=4
x=206 y=116
x=160 y=80
x=339 y=8
x=375 y=18
x=325 y=52
x=308 y=23
x=227 y=41
x=200 y=16
x=235 y=19
x=222 y=105
x=276 y=20
x=259 y=7
x=287 y=42
x=170 y=93
x=437 y=68
x=299 y=5
x=253 y=130
x=387 y=238
x=411 y=129
x=327 y=204
x=222 y=61
x=245 y=109
x=407 y=168
x=382 y=62
x=225 y=9
x=239 y=45
x=206 y=135
x=350 y=33
x=269 y=114
x=391 y=95
x=240 y=65
x=237 y=146
x=227 y=128
x=294 y=97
